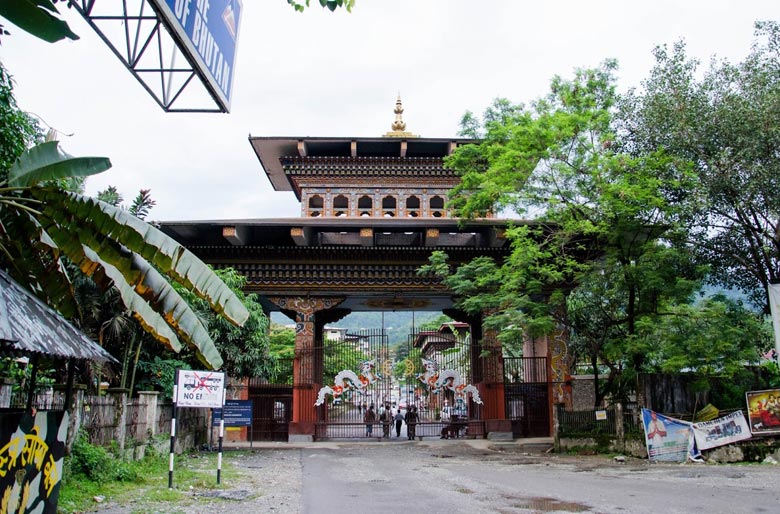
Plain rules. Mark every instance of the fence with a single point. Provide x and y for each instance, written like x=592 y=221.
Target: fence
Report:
x=113 y=418
x=584 y=423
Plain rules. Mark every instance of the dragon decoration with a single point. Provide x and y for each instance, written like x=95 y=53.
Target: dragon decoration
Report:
x=348 y=380
x=447 y=379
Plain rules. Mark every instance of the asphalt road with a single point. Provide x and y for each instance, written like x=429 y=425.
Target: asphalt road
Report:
x=456 y=478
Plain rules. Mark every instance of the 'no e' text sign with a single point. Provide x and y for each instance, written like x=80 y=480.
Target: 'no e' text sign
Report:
x=199 y=389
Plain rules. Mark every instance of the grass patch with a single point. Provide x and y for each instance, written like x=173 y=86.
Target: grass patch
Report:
x=96 y=472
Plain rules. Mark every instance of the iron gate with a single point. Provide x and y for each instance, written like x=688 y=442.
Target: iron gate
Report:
x=272 y=403
x=526 y=392
x=437 y=378
x=357 y=375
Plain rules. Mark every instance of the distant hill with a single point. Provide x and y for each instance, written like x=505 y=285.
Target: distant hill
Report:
x=398 y=325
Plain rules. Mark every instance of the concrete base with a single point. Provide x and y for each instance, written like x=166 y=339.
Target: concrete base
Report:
x=300 y=438
x=500 y=436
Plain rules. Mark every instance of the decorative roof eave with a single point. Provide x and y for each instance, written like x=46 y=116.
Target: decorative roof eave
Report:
x=270 y=150
x=28 y=326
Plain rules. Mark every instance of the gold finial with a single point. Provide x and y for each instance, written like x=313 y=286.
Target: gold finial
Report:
x=399 y=125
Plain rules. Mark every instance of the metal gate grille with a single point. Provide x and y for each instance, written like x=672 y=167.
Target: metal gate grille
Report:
x=526 y=391
x=272 y=403
x=357 y=371
x=436 y=377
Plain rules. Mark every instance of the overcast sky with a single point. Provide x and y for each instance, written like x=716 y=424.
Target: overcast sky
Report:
x=338 y=74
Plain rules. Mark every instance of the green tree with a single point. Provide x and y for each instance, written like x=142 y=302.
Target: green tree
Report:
x=594 y=212
x=715 y=336
x=725 y=123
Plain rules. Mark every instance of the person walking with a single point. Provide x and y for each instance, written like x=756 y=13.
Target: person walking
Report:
x=369 y=418
x=411 y=422
x=387 y=419
x=399 y=419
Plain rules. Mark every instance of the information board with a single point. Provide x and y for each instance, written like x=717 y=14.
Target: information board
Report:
x=238 y=413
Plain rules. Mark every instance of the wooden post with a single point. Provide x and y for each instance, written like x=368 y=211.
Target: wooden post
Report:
x=620 y=427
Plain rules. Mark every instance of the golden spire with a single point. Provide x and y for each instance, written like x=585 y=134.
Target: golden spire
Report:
x=399 y=125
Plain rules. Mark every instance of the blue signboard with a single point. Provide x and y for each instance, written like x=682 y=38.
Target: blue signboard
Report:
x=238 y=413
x=208 y=29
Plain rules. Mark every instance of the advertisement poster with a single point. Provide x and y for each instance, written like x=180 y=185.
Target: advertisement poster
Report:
x=668 y=439
x=31 y=457
x=718 y=432
x=200 y=389
x=764 y=411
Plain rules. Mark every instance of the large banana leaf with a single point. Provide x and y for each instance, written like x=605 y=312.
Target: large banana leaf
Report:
x=154 y=302
x=151 y=320
x=161 y=251
x=35 y=17
x=47 y=162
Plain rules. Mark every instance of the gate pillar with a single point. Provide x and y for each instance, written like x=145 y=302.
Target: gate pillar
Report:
x=489 y=361
x=307 y=362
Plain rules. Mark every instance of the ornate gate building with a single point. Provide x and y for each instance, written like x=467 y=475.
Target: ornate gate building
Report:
x=372 y=212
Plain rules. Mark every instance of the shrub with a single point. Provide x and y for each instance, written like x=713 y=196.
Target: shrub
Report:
x=98 y=464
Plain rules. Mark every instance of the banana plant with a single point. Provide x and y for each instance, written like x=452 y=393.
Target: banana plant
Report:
x=40 y=223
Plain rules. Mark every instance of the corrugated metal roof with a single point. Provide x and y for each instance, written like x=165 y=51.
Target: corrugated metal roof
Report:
x=27 y=325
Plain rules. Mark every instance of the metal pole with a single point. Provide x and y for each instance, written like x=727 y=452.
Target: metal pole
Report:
x=173 y=429
x=69 y=385
x=33 y=380
x=221 y=433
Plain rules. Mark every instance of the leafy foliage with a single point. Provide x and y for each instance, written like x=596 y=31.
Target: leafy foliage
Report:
x=330 y=4
x=97 y=463
x=725 y=124
x=38 y=17
x=603 y=230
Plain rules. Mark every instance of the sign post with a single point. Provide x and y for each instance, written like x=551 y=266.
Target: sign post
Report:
x=205 y=389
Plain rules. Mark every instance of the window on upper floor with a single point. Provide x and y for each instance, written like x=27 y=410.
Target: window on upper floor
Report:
x=365 y=206
x=413 y=207
x=315 y=206
x=340 y=206
x=389 y=205
x=437 y=206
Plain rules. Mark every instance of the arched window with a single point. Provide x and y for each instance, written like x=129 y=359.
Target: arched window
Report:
x=413 y=207
x=315 y=206
x=437 y=206
x=389 y=204
x=365 y=206
x=340 y=206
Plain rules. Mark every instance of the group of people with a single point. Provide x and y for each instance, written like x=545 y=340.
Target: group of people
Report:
x=387 y=417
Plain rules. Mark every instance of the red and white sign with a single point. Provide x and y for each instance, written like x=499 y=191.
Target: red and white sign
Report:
x=199 y=389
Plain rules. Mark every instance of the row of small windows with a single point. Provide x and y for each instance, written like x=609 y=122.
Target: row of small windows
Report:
x=365 y=206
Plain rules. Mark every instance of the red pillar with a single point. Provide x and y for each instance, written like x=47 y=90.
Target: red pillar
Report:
x=306 y=372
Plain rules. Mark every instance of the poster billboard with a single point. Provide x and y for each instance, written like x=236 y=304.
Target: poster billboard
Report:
x=764 y=411
x=721 y=431
x=199 y=389
x=667 y=439
x=207 y=31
